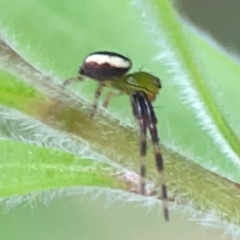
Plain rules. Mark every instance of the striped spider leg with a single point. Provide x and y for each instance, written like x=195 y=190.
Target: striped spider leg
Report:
x=97 y=93
x=72 y=80
x=144 y=113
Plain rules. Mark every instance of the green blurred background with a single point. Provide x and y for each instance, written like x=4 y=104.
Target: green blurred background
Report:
x=219 y=18
x=86 y=217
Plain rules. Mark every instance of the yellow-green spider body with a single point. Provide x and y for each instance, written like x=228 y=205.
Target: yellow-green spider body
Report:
x=110 y=69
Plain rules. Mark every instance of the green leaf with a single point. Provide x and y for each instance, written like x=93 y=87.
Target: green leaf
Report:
x=26 y=168
x=197 y=108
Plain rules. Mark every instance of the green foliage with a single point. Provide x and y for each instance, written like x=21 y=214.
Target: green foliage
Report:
x=26 y=168
x=200 y=82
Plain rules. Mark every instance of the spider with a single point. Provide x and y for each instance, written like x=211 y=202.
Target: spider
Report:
x=109 y=70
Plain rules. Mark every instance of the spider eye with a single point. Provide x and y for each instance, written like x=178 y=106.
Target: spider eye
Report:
x=157 y=82
x=105 y=66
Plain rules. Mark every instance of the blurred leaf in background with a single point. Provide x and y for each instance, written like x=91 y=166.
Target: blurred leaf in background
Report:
x=48 y=141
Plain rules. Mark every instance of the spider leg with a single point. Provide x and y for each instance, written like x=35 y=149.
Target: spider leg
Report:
x=98 y=93
x=138 y=112
x=152 y=125
x=72 y=80
x=151 y=122
x=108 y=97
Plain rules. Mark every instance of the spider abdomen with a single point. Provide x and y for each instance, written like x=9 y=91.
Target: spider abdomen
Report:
x=105 y=65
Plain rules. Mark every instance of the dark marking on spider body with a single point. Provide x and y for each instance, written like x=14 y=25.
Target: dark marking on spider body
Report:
x=105 y=65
